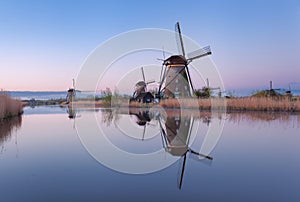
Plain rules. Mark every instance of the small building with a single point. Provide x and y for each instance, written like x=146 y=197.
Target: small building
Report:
x=146 y=97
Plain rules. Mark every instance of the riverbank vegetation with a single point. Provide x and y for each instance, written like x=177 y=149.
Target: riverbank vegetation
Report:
x=267 y=104
x=10 y=107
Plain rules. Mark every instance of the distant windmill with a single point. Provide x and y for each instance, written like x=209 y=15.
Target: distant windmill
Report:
x=71 y=93
x=140 y=94
x=176 y=75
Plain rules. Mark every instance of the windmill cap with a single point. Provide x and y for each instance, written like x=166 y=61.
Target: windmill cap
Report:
x=175 y=60
x=141 y=83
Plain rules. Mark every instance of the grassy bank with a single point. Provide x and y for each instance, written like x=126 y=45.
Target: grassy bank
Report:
x=10 y=107
x=266 y=104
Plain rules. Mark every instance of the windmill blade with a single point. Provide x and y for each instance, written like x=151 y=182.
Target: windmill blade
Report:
x=165 y=72
x=163 y=135
x=179 y=39
x=190 y=80
x=150 y=81
x=143 y=74
x=144 y=131
x=203 y=161
x=182 y=171
x=161 y=73
x=199 y=53
x=200 y=155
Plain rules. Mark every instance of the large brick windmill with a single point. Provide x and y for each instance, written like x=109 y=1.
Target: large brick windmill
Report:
x=175 y=76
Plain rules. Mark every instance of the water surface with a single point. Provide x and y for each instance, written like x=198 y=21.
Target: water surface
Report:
x=256 y=158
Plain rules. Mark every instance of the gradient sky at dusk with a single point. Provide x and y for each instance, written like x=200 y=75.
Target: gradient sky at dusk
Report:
x=44 y=43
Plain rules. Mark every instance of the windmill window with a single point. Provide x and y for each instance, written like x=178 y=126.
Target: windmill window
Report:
x=176 y=80
x=176 y=88
x=185 y=87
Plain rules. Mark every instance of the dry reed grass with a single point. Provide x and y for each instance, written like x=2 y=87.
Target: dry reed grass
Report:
x=266 y=104
x=263 y=104
x=235 y=104
x=9 y=106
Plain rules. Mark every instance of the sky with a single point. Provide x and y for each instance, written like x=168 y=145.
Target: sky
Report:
x=43 y=44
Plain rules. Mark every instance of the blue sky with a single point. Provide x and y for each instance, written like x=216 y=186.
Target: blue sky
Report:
x=44 y=43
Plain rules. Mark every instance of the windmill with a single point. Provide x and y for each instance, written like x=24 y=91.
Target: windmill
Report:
x=207 y=91
x=140 y=94
x=71 y=93
x=175 y=74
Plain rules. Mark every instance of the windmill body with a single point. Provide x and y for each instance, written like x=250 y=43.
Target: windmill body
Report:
x=178 y=130
x=176 y=78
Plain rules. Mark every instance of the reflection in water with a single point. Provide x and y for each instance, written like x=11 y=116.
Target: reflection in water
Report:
x=72 y=112
x=109 y=116
x=7 y=127
x=176 y=137
x=176 y=126
x=264 y=116
x=143 y=117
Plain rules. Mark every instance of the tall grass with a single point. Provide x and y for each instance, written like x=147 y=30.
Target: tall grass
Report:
x=263 y=104
x=9 y=106
x=270 y=104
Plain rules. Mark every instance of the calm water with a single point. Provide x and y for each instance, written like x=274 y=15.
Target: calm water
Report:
x=51 y=154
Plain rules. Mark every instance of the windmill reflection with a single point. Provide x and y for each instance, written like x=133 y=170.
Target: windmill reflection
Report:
x=175 y=131
x=176 y=137
x=72 y=112
x=143 y=118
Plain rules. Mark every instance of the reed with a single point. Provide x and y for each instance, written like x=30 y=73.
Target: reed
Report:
x=263 y=104
x=10 y=107
x=267 y=104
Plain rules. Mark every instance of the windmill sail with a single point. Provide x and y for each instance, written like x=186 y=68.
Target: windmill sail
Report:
x=179 y=40
x=199 y=53
x=143 y=74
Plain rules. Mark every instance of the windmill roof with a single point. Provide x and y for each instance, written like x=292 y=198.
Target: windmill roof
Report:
x=175 y=60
